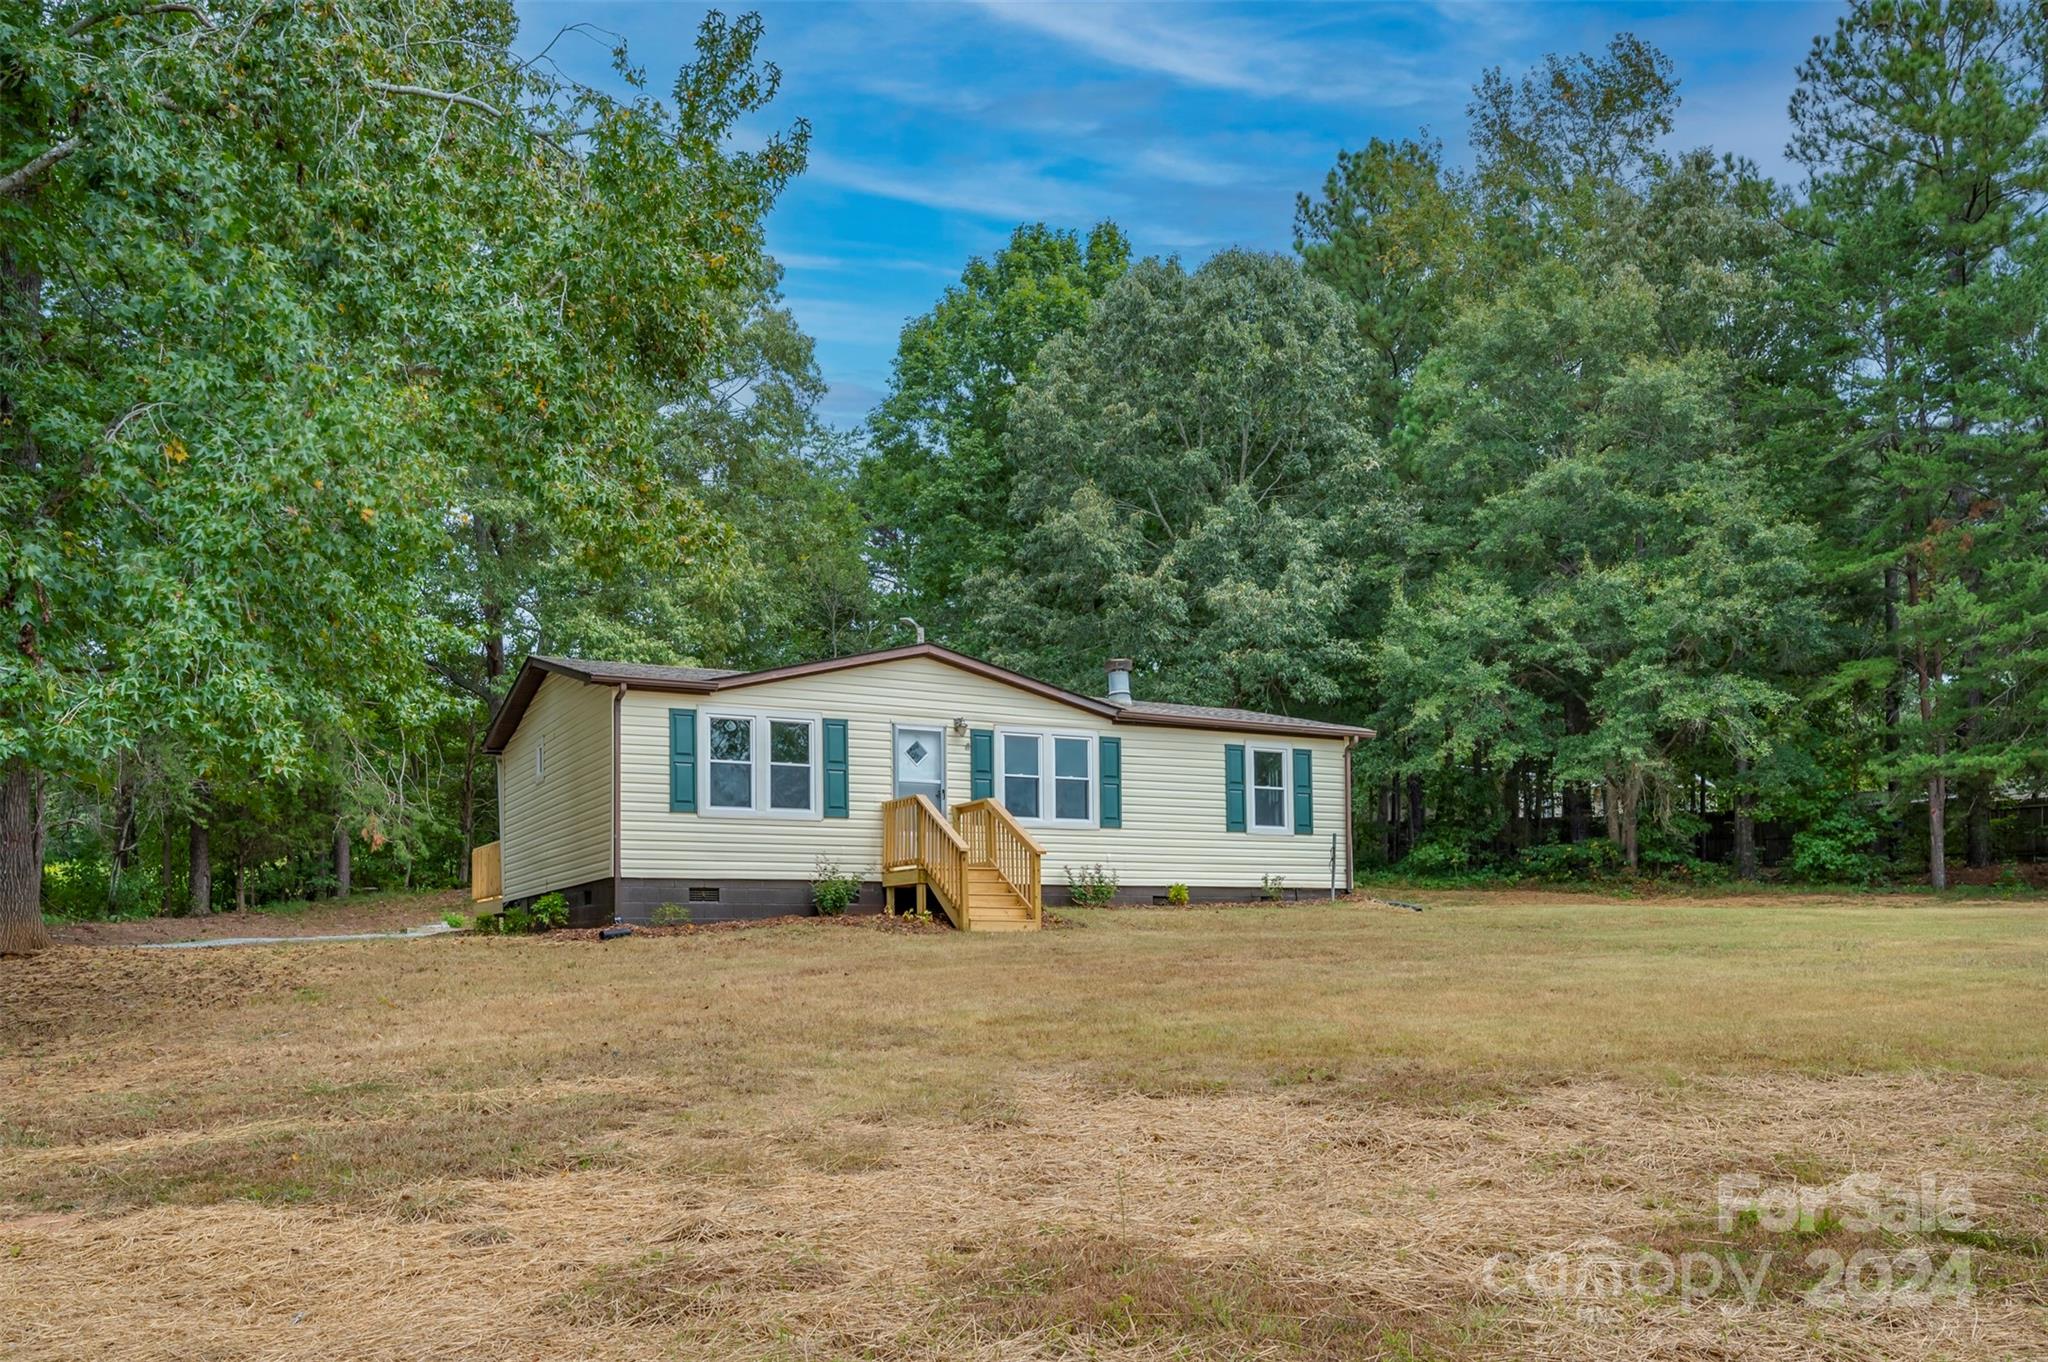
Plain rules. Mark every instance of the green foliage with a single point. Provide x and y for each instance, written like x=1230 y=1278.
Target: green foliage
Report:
x=79 y=890
x=1177 y=895
x=455 y=920
x=1439 y=855
x=547 y=913
x=670 y=915
x=1594 y=476
x=272 y=386
x=833 y=891
x=1922 y=298
x=1395 y=237
x=1839 y=844
x=1091 y=886
x=1273 y=887
x=937 y=486
x=1557 y=862
x=1194 y=468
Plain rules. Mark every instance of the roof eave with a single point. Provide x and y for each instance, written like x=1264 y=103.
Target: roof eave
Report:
x=532 y=671
x=1300 y=730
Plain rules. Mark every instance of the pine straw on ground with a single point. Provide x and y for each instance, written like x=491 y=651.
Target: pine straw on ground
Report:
x=1223 y=1225
x=805 y=1143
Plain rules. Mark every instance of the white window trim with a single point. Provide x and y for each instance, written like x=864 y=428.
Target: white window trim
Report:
x=1046 y=789
x=758 y=754
x=1251 y=791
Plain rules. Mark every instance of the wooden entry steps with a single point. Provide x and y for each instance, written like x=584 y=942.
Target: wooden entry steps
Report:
x=983 y=869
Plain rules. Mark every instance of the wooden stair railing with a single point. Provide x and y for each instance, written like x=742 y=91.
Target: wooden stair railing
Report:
x=994 y=838
x=915 y=833
x=919 y=846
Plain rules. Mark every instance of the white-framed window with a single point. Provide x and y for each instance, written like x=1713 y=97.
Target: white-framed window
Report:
x=729 y=764
x=1272 y=806
x=1023 y=774
x=762 y=764
x=792 y=768
x=1047 y=777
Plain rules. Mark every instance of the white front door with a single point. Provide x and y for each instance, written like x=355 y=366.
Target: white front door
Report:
x=921 y=764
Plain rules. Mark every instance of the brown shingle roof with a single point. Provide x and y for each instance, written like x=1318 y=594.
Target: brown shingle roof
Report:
x=615 y=672
x=1142 y=710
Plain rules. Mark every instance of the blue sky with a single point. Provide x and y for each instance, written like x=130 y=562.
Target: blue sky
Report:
x=938 y=127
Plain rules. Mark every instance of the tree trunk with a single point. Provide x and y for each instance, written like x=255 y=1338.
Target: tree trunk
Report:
x=1926 y=667
x=21 y=859
x=341 y=863
x=470 y=755
x=1977 y=790
x=1745 y=822
x=1895 y=829
x=1414 y=812
x=122 y=854
x=1980 y=828
x=202 y=869
x=1578 y=799
x=241 y=877
x=1621 y=821
x=168 y=867
x=1937 y=830
x=1510 y=806
x=1390 y=820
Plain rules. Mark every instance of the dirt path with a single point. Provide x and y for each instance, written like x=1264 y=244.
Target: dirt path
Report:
x=409 y=934
x=383 y=913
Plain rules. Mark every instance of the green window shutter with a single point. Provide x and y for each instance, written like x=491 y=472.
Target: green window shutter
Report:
x=682 y=761
x=1109 y=758
x=835 y=769
x=1304 y=792
x=981 y=746
x=1233 y=787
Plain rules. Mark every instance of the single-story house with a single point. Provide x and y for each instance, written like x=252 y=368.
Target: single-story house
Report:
x=930 y=775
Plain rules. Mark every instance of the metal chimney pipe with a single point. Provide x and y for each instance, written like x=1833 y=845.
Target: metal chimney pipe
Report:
x=1120 y=680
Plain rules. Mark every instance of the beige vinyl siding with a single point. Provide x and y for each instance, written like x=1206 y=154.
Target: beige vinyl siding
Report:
x=1172 y=786
x=558 y=831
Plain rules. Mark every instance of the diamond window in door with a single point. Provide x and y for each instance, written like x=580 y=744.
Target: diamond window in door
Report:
x=920 y=764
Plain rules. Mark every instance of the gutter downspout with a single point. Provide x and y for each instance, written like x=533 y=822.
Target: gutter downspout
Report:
x=1350 y=856
x=618 y=879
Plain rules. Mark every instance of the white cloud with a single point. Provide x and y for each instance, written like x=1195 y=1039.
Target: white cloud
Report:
x=1167 y=163
x=1012 y=191
x=840 y=264
x=1218 y=52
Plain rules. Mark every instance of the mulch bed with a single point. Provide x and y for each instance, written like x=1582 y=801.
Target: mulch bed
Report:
x=869 y=922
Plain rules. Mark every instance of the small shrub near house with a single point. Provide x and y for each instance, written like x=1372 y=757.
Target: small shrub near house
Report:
x=833 y=890
x=1177 y=895
x=1091 y=886
x=544 y=914
x=670 y=915
x=1274 y=887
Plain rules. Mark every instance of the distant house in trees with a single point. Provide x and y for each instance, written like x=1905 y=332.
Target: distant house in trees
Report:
x=932 y=776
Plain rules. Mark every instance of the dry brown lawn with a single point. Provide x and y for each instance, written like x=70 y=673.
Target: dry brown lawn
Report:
x=1296 y=1132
